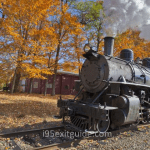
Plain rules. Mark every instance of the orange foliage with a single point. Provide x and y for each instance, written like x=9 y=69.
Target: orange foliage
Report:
x=27 y=34
x=131 y=40
x=33 y=31
x=74 y=53
x=101 y=47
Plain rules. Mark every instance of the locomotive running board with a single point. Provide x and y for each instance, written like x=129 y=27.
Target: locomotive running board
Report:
x=130 y=84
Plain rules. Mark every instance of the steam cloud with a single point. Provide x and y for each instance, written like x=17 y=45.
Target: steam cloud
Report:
x=125 y=14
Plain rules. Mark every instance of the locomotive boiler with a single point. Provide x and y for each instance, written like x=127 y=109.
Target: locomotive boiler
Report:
x=112 y=92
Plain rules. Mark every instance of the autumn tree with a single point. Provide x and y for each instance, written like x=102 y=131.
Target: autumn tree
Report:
x=74 y=53
x=6 y=69
x=65 y=24
x=131 y=39
x=26 y=35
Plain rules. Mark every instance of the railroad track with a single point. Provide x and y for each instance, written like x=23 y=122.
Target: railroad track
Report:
x=71 y=143
x=26 y=132
x=75 y=142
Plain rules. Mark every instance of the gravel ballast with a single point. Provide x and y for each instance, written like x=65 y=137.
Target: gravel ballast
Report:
x=136 y=139
x=139 y=140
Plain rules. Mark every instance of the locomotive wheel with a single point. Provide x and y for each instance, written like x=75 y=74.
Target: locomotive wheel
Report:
x=103 y=126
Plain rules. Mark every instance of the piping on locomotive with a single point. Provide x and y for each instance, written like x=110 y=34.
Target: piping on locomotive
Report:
x=115 y=92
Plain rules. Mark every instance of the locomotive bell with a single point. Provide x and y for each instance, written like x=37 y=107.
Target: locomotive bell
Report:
x=90 y=54
x=87 y=47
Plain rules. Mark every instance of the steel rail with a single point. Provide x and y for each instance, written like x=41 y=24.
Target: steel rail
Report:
x=72 y=142
x=25 y=132
x=77 y=141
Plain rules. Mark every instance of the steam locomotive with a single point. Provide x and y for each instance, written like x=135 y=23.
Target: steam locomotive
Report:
x=114 y=92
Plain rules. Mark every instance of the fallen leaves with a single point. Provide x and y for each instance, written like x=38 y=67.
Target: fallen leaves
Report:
x=126 y=134
x=17 y=110
x=147 y=132
x=90 y=141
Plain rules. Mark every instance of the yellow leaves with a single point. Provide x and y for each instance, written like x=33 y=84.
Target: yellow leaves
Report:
x=29 y=34
x=100 y=49
x=68 y=66
x=90 y=141
x=22 y=109
x=131 y=40
x=72 y=66
x=147 y=132
x=33 y=29
x=126 y=133
x=34 y=71
x=140 y=129
x=0 y=5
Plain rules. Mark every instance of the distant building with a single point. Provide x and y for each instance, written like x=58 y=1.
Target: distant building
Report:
x=22 y=85
x=64 y=84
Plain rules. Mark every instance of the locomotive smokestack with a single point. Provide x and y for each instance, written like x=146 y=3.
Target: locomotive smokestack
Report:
x=108 y=46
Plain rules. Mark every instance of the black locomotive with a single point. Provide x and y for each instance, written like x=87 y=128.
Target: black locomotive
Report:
x=114 y=92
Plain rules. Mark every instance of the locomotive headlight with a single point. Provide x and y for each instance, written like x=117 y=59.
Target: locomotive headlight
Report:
x=86 y=47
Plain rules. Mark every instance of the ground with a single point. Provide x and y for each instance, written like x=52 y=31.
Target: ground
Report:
x=27 y=110
x=132 y=140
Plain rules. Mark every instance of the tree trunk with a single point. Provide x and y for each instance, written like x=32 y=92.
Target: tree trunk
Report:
x=45 y=92
x=17 y=81
x=30 y=86
x=55 y=70
x=54 y=81
x=98 y=42
x=79 y=63
x=13 y=83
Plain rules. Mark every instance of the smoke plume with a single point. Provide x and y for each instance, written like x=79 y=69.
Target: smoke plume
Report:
x=125 y=14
